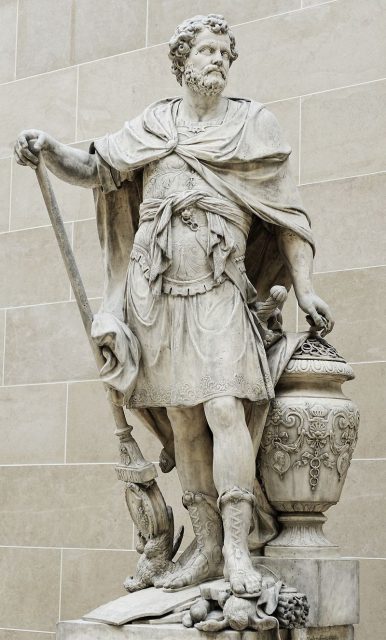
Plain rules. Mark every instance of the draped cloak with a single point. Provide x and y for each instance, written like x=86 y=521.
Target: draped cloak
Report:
x=246 y=161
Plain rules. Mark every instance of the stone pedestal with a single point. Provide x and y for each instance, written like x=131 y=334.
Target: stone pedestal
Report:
x=331 y=585
x=327 y=633
x=84 y=630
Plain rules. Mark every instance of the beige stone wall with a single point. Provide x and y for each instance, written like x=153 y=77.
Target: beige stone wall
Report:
x=78 y=69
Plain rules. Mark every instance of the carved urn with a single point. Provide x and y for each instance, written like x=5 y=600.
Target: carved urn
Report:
x=307 y=445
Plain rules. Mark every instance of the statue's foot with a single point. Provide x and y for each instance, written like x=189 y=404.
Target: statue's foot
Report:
x=244 y=580
x=236 y=508
x=196 y=571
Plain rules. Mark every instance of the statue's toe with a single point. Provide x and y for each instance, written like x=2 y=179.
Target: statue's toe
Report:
x=244 y=583
x=237 y=585
x=253 y=583
x=178 y=582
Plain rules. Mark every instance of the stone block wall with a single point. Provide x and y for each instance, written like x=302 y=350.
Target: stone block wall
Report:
x=77 y=69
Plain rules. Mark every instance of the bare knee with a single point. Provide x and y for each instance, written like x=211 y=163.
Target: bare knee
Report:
x=223 y=412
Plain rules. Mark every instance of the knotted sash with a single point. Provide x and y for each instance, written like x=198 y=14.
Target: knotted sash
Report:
x=220 y=241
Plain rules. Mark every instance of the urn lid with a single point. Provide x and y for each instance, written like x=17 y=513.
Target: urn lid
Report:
x=316 y=348
x=316 y=357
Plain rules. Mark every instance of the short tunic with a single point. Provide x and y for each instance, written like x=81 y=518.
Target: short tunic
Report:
x=196 y=334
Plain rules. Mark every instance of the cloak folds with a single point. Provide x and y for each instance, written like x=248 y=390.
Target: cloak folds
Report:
x=245 y=160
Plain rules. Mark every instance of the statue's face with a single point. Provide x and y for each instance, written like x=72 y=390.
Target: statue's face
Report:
x=207 y=66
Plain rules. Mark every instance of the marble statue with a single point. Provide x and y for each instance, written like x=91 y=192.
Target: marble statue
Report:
x=202 y=233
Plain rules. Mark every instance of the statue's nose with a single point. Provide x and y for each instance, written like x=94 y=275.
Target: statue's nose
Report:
x=217 y=58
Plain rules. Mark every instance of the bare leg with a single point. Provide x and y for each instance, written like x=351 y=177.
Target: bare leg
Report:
x=234 y=473
x=194 y=461
x=233 y=455
x=193 y=449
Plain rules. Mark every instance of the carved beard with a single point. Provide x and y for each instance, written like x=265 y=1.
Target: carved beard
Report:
x=203 y=82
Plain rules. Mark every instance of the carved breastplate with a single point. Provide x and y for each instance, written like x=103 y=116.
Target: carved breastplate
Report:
x=171 y=175
x=189 y=228
x=191 y=270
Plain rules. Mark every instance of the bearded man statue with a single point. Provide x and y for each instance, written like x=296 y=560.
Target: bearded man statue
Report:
x=202 y=232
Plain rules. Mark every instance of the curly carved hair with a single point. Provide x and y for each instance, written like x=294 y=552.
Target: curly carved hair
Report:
x=183 y=39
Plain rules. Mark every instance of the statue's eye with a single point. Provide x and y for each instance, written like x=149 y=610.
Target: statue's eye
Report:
x=225 y=55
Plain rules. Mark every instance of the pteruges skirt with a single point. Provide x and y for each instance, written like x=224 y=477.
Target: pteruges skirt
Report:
x=194 y=347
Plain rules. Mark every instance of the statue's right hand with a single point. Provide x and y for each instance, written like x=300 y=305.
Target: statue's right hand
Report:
x=28 y=146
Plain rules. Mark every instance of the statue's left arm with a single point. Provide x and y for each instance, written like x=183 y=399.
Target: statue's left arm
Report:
x=298 y=257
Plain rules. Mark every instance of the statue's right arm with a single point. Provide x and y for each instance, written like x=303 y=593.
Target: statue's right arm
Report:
x=67 y=163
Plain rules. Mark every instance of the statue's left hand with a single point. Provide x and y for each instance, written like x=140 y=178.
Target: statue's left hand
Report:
x=318 y=312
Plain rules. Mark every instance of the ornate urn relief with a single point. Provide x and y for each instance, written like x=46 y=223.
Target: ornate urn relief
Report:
x=307 y=446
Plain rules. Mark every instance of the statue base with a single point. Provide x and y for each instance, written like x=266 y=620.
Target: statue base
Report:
x=331 y=585
x=84 y=630
x=324 y=633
